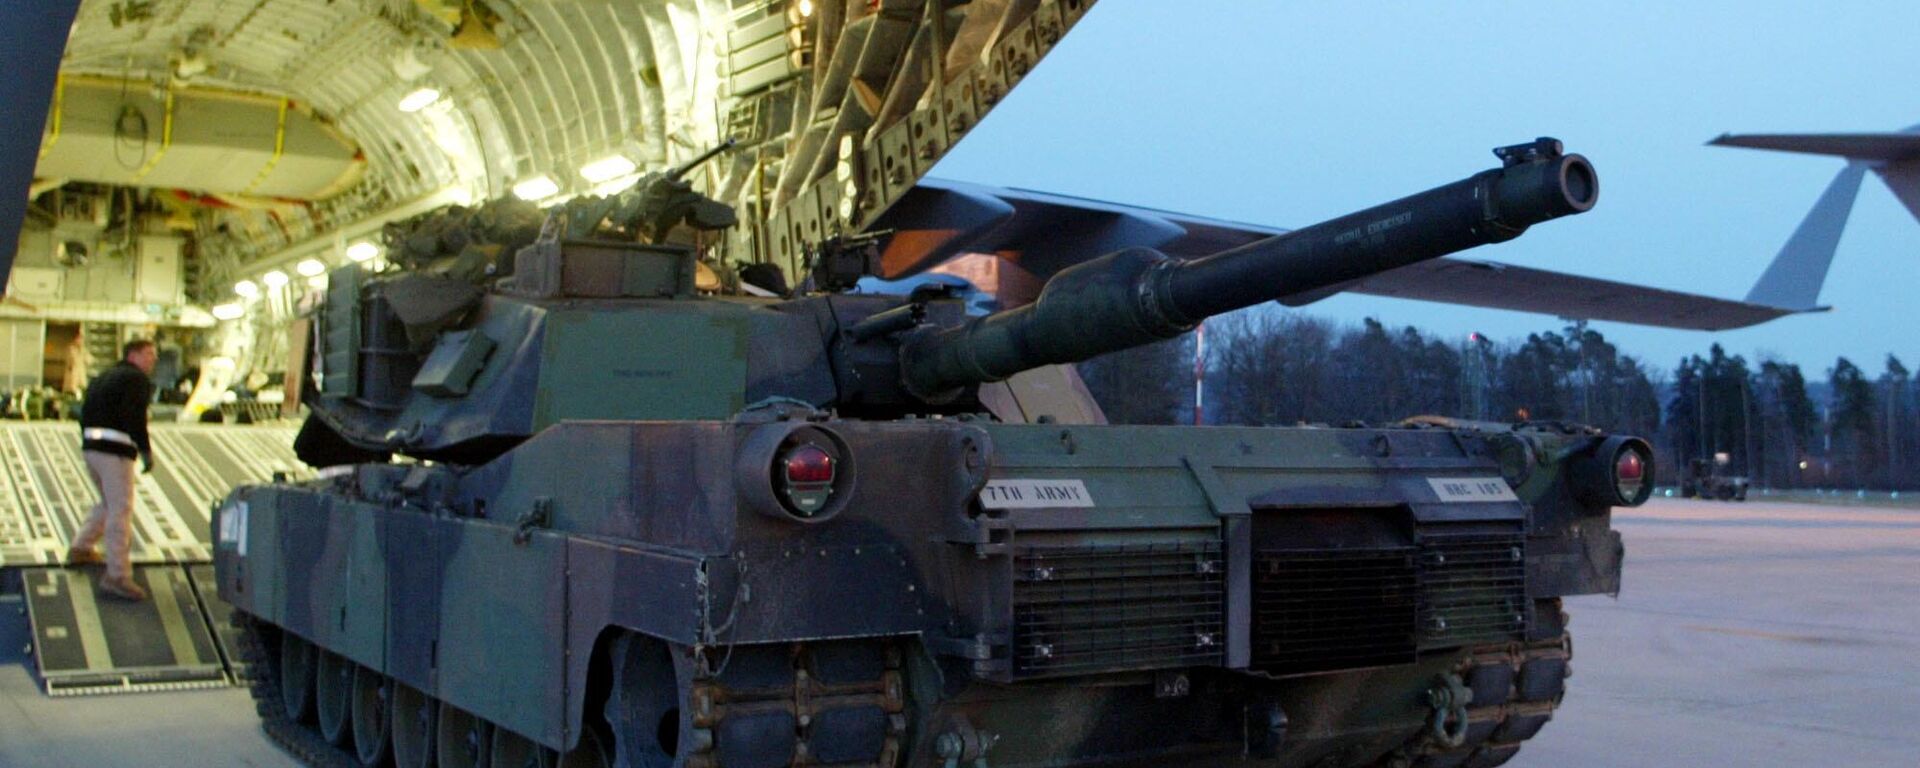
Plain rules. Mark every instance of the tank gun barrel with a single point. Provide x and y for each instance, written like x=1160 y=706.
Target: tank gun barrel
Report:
x=1138 y=295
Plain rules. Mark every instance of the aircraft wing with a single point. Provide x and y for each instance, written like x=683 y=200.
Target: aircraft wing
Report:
x=1505 y=286
x=1042 y=233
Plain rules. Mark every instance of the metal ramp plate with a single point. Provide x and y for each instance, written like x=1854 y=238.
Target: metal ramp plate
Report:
x=85 y=642
x=45 y=493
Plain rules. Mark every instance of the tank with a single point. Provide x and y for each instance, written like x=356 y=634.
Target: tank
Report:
x=578 y=509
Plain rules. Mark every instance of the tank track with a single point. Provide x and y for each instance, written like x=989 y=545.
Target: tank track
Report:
x=802 y=695
x=1516 y=687
x=259 y=667
x=798 y=689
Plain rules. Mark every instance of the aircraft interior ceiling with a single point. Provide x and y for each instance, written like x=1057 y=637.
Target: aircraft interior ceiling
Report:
x=290 y=129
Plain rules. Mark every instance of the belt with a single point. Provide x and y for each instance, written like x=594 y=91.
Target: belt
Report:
x=108 y=435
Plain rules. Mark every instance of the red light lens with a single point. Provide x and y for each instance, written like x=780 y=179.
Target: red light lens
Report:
x=1630 y=476
x=809 y=464
x=1630 y=466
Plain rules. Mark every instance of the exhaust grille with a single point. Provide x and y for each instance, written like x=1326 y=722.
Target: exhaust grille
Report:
x=1322 y=610
x=1473 y=587
x=1079 y=610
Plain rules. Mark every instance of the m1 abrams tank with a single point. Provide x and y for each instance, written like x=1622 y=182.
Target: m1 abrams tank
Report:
x=644 y=525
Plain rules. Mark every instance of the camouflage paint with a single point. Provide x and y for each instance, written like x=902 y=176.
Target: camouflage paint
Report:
x=540 y=555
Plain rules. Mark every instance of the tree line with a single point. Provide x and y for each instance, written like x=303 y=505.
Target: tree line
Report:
x=1766 y=420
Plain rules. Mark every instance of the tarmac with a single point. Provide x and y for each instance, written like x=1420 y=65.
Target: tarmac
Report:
x=1761 y=634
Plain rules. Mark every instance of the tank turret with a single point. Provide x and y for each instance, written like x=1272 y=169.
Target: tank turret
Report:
x=469 y=348
x=1137 y=296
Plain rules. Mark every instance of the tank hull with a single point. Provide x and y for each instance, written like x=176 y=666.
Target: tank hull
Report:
x=1034 y=594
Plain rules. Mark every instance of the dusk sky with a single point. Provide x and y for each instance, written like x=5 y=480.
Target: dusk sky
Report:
x=1290 y=113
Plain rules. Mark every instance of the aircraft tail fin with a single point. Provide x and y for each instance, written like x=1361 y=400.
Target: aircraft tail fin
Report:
x=1794 y=278
x=1904 y=180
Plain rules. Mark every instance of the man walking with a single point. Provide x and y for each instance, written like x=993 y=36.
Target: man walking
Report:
x=113 y=431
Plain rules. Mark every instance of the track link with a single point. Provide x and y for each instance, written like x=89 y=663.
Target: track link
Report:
x=258 y=654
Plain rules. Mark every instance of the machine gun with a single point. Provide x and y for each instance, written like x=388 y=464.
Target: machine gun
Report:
x=1138 y=295
x=656 y=203
x=664 y=199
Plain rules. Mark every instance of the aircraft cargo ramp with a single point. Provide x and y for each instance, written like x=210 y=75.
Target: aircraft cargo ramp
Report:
x=82 y=641
x=45 y=493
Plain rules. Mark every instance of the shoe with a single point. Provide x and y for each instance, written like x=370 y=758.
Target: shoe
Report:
x=78 y=557
x=124 y=589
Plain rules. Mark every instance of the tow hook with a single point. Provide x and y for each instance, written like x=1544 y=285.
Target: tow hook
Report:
x=1449 y=697
x=963 y=746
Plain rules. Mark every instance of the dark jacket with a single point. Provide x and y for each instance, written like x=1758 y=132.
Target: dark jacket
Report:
x=117 y=399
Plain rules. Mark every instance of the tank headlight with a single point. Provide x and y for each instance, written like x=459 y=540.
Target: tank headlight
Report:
x=1618 y=472
x=807 y=471
x=796 y=472
x=1629 y=474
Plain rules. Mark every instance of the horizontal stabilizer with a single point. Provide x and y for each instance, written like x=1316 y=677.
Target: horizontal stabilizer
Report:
x=1884 y=147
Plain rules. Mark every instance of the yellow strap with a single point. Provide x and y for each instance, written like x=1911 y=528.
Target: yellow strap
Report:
x=59 y=105
x=279 y=146
x=166 y=141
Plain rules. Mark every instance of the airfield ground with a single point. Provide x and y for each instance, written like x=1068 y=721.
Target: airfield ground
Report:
x=1747 y=634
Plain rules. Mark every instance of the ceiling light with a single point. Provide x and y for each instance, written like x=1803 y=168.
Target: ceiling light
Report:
x=419 y=99
x=247 y=288
x=363 y=250
x=614 y=187
x=607 y=168
x=310 y=267
x=228 y=311
x=274 y=279
x=317 y=281
x=539 y=187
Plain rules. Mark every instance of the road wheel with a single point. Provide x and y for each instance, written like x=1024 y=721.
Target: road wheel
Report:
x=649 y=727
x=372 y=723
x=333 y=698
x=464 y=740
x=296 y=677
x=511 y=750
x=415 y=727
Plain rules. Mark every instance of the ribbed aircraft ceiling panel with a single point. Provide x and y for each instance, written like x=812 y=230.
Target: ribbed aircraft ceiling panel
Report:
x=836 y=102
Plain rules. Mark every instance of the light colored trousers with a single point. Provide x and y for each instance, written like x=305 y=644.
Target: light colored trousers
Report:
x=112 y=518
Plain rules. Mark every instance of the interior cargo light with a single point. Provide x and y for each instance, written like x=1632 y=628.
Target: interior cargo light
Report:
x=310 y=267
x=247 y=289
x=806 y=8
x=274 y=279
x=419 y=99
x=363 y=250
x=228 y=311
x=607 y=168
x=317 y=281
x=538 y=187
